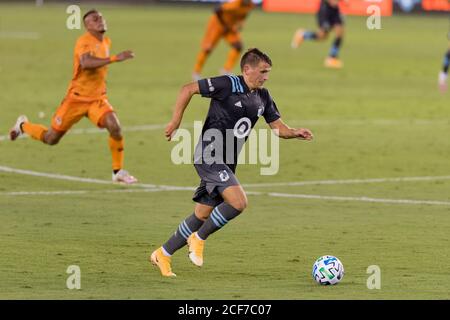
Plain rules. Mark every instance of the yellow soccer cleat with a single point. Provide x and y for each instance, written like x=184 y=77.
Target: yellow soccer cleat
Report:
x=196 y=247
x=123 y=176
x=162 y=262
x=335 y=63
x=298 y=38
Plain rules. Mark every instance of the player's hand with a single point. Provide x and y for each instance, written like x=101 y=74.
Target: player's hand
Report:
x=304 y=134
x=170 y=129
x=125 y=55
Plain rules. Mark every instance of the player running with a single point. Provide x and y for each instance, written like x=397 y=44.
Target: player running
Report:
x=226 y=22
x=329 y=18
x=86 y=96
x=237 y=102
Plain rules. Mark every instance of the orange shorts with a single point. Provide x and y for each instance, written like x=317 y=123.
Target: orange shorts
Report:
x=215 y=31
x=72 y=110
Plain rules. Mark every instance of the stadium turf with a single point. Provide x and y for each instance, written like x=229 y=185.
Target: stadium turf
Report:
x=380 y=117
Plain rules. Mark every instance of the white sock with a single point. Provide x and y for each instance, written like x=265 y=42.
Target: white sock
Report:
x=198 y=237
x=165 y=252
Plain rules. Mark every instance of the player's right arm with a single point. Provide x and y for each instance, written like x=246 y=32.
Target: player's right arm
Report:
x=88 y=61
x=183 y=99
x=216 y=88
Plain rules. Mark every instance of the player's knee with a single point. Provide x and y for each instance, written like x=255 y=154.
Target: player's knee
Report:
x=322 y=35
x=238 y=46
x=202 y=211
x=51 y=140
x=240 y=204
x=202 y=215
x=339 y=31
x=115 y=131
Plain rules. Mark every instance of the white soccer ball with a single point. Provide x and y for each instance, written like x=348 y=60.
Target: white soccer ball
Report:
x=328 y=270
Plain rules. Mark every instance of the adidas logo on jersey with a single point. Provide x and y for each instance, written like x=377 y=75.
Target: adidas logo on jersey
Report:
x=238 y=104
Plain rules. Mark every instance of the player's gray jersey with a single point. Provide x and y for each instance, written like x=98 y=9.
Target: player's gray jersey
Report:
x=233 y=112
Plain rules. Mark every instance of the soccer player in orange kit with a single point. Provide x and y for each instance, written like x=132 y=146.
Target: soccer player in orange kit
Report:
x=226 y=22
x=86 y=96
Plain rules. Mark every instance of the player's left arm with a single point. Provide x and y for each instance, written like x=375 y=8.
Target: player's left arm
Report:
x=88 y=61
x=284 y=131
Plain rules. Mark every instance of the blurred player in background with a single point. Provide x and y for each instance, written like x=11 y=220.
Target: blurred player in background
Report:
x=236 y=104
x=226 y=22
x=86 y=96
x=443 y=75
x=329 y=18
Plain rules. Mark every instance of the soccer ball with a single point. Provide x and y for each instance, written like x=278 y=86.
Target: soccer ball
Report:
x=328 y=270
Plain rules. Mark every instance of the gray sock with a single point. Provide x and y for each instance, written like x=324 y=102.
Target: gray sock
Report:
x=184 y=230
x=220 y=216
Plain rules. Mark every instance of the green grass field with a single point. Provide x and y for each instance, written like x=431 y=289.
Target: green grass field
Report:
x=379 y=117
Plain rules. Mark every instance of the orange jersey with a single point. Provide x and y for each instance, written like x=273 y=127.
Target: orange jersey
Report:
x=89 y=83
x=234 y=12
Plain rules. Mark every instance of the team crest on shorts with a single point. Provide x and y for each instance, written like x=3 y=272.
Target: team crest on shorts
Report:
x=58 y=121
x=223 y=175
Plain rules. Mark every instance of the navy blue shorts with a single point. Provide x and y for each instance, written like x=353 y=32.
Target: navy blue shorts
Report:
x=328 y=17
x=214 y=179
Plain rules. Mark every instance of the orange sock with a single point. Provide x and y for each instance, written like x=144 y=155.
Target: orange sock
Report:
x=233 y=56
x=201 y=58
x=116 y=147
x=36 y=131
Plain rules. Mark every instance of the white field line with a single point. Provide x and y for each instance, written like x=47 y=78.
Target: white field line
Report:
x=249 y=185
x=341 y=122
x=378 y=122
x=156 y=188
x=43 y=193
x=77 y=192
x=86 y=180
x=360 y=199
x=349 y=181
x=93 y=130
x=52 y=175
x=271 y=194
